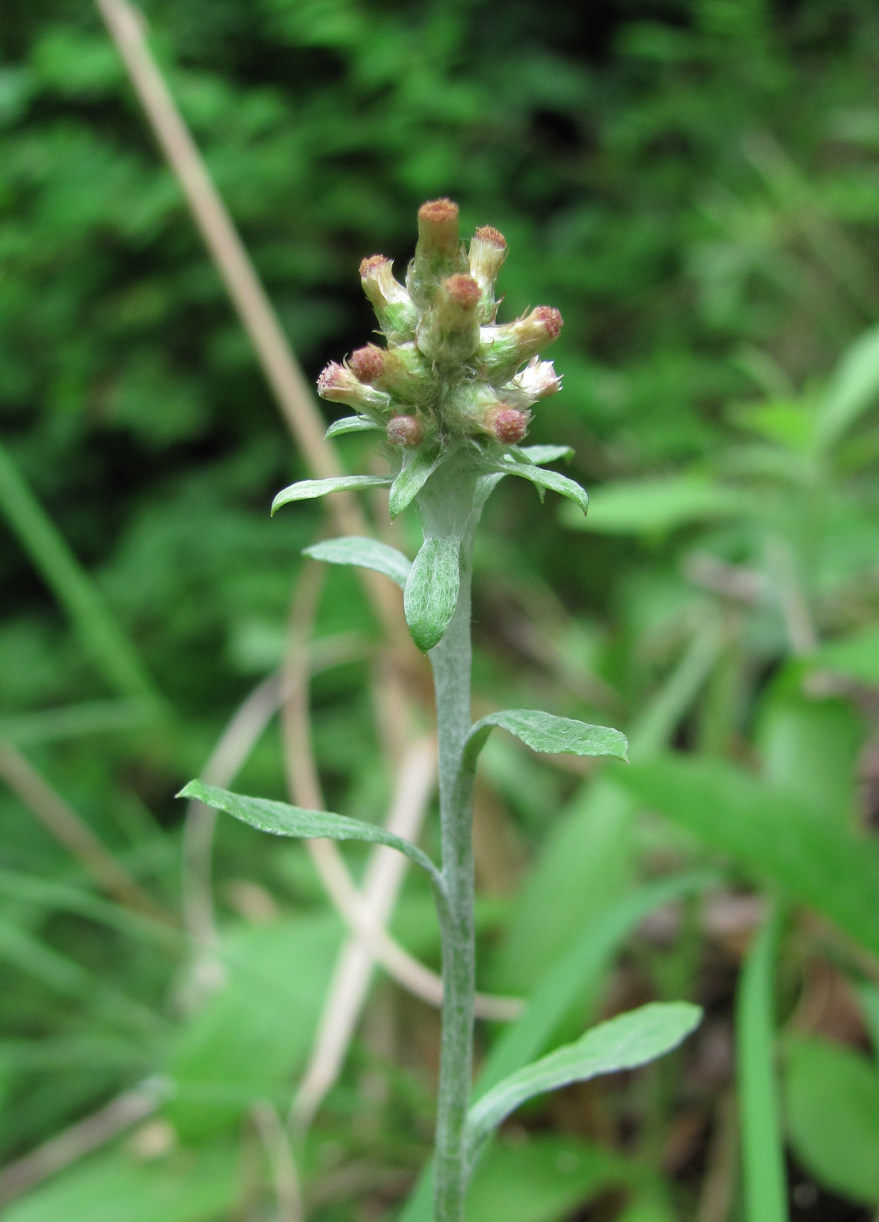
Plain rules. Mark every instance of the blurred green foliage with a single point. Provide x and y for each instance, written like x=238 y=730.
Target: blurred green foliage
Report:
x=694 y=184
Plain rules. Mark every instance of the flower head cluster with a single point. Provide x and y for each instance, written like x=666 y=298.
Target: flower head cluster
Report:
x=449 y=374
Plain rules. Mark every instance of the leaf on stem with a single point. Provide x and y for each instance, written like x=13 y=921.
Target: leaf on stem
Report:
x=538 y=455
x=544 y=732
x=544 y=479
x=308 y=489
x=418 y=466
x=351 y=424
x=624 y=1042
x=280 y=819
x=368 y=553
x=431 y=592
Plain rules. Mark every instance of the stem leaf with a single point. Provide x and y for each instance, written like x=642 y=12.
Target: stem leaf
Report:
x=280 y=819
x=538 y=455
x=418 y=466
x=431 y=592
x=368 y=553
x=544 y=732
x=351 y=424
x=552 y=480
x=308 y=489
x=624 y=1042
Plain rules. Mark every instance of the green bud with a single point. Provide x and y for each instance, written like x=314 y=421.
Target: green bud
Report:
x=488 y=250
x=339 y=385
x=503 y=349
x=438 y=253
x=390 y=300
x=401 y=371
x=448 y=332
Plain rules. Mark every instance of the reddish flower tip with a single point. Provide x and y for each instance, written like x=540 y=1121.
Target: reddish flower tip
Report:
x=493 y=237
x=438 y=212
x=373 y=264
x=367 y=363
x=509 y=425
x=463 y=290
x=551 y=319
x=404 y=431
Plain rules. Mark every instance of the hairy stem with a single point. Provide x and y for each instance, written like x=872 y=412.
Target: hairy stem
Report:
x=447 y=505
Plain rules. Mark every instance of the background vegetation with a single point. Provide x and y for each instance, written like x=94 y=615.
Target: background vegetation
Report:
x=694 y=184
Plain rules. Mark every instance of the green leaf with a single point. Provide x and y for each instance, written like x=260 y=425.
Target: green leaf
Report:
x=543 y=479
x=832 y=1109
x=765 y=1182
x=418 y=466
x=852 y=390
x=542 y=454
x=308 y=489
x=624 y=1042
x=121 y=1184
x=367 y=553
x=772 y=834
x=544 y=732
x=656 y=506
x=431 y=592
x=351 y=424
x=280 y=819
x=856 y=656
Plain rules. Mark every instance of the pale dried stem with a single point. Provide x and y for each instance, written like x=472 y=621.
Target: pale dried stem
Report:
x=305 y=790
x=79 y=1140
x=285 y=1177
x=68 y=828
x=249 y=298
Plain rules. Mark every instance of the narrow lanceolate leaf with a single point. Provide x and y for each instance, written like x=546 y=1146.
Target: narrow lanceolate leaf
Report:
x=544 y=479
x=367 y=553
x=351 y=424
x=308 y=489
x=431 y=592
x=279 y=819
x=418 y=466
x=553 y=735
x=625 y=1042
x=539 y=455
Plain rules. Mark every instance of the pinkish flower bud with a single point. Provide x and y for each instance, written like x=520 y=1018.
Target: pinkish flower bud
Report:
x=507 y=424
x=448 y=332
x=488 y=250
x=339 y=385
x=390 y=300
x=367 y=363
x=404 y=431
x=504 y=348
x=438 y=229
x=401 y=371
x=438 y=253
x=537 y=380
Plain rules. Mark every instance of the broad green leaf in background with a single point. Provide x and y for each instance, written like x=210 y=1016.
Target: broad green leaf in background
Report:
x=250 y=1038
x=309 y=489
x=547 y=733
x=351 y=424
x=418 y=466
x=832 y=1109
x=624 y=1042
x=543 y=479
x=852 y=390
x=770 y=834
x=431 y=593
x=656 y=506
x=546 y=1178
x=119 y=1187
x=280 y=819
x=367 y=553
x=856 y=656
